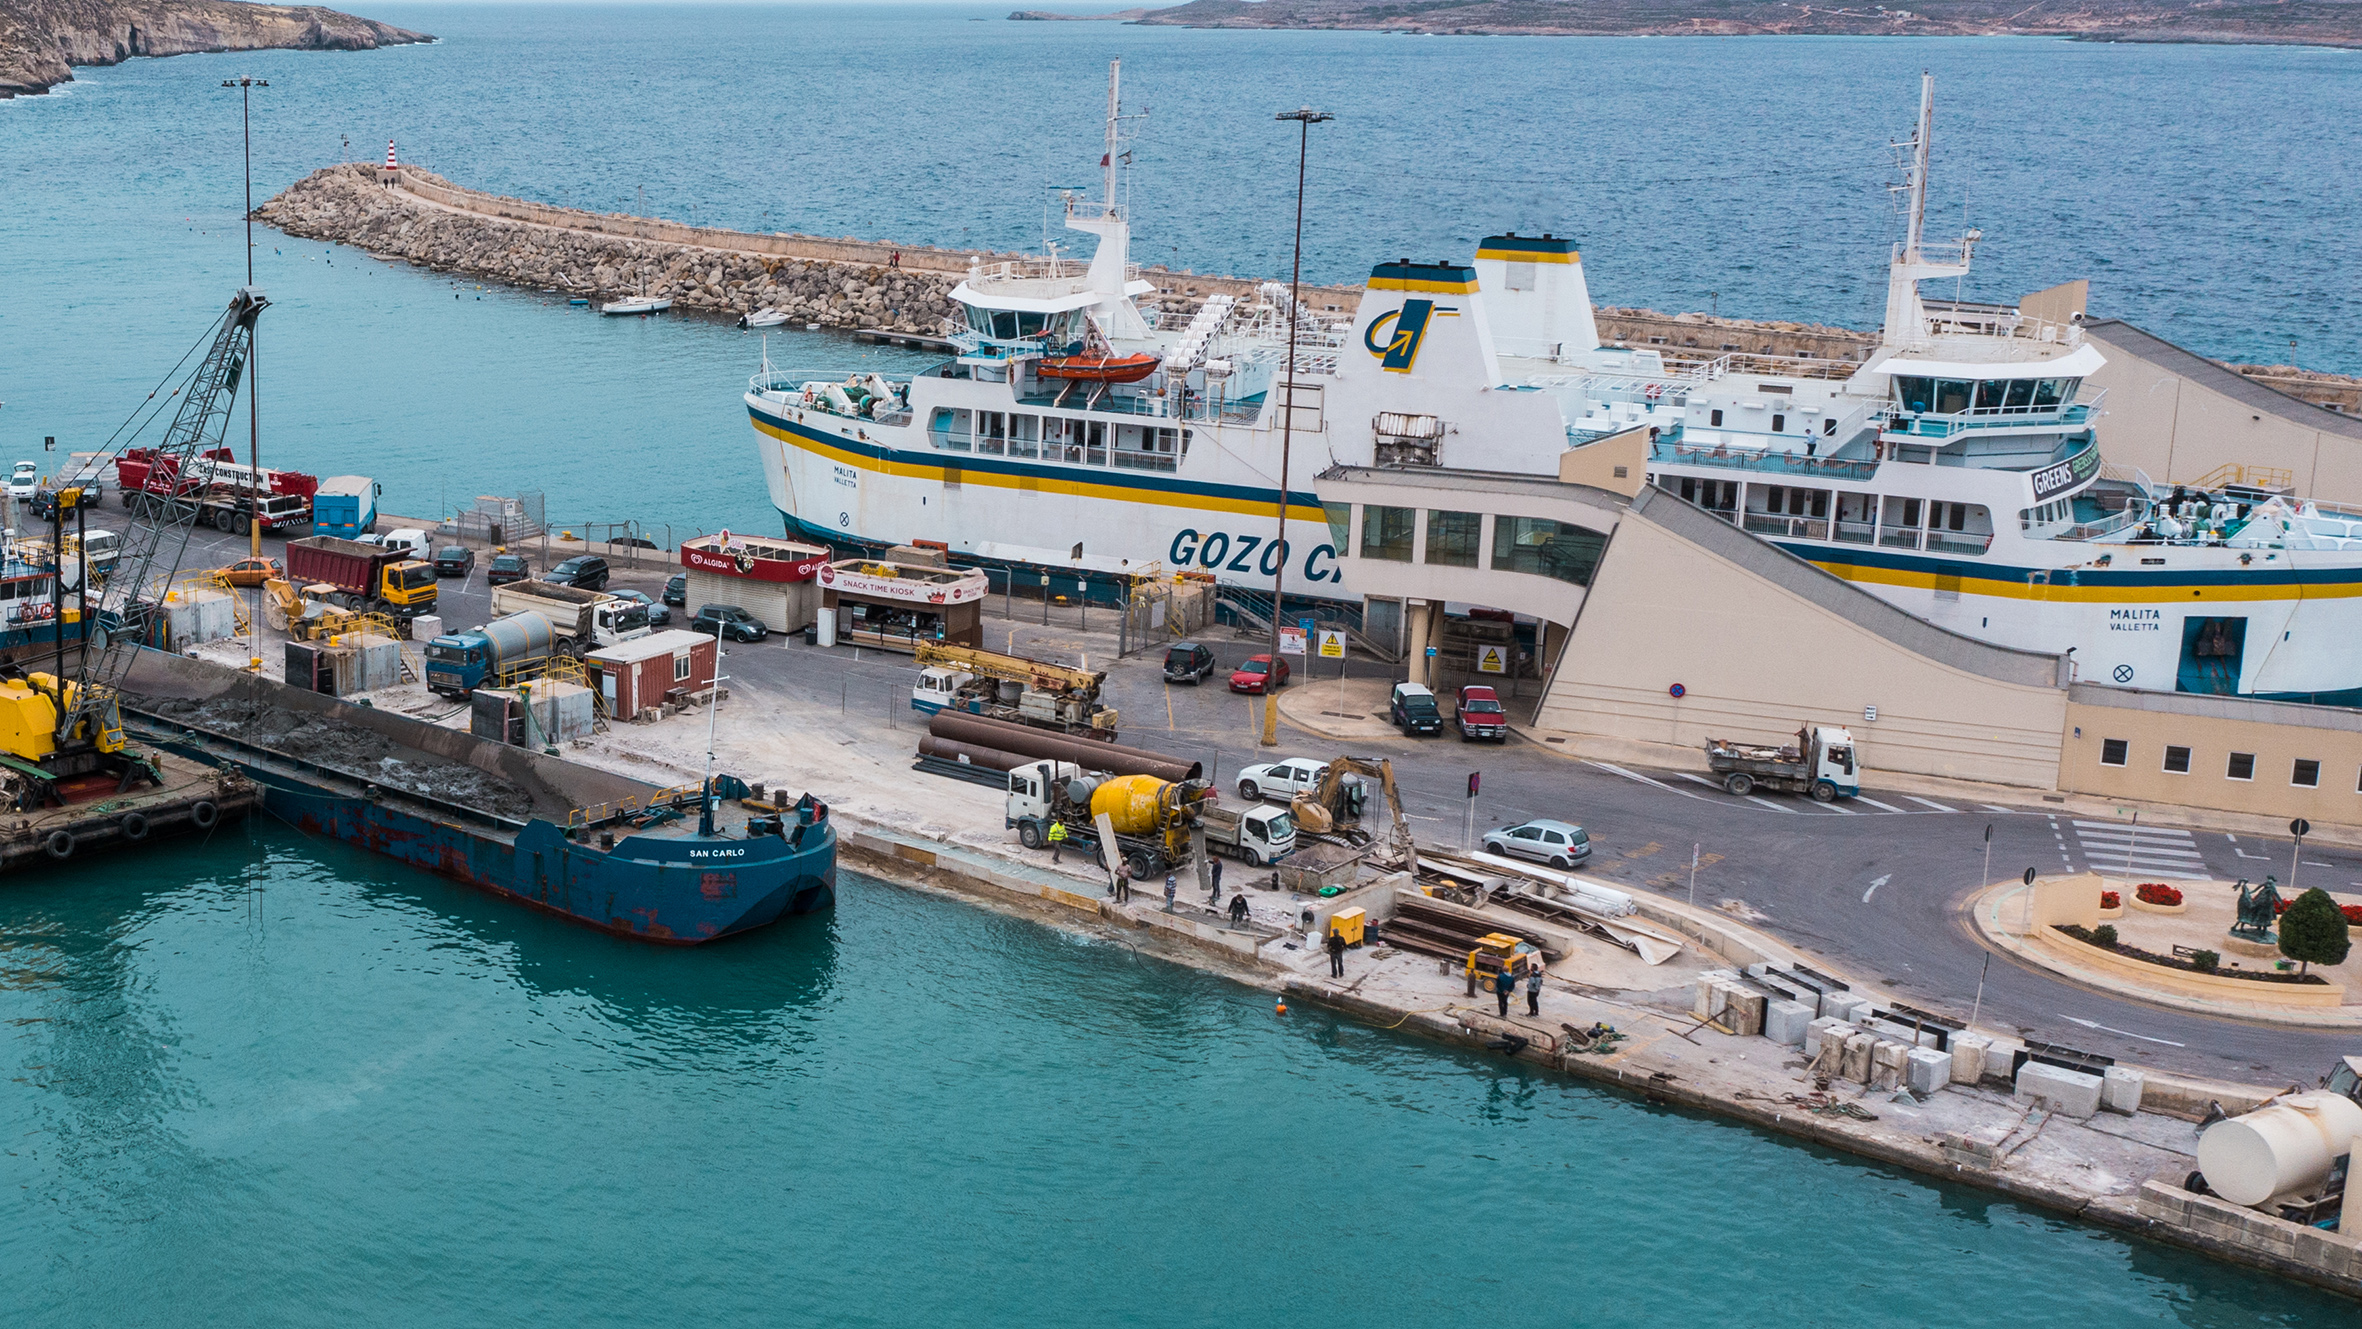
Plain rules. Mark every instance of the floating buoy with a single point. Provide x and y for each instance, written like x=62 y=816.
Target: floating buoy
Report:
x=1281 y=1008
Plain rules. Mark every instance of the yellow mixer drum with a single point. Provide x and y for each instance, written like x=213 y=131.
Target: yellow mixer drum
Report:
x=1132 y=802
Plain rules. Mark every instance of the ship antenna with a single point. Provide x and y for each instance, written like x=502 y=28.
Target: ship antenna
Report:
x=705 y=796
x=1115 y=69
x=1919 y=141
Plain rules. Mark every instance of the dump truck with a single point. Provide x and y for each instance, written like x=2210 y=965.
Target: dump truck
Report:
x=362 y=577
x=457 y=663
x=1151 y=818
x=1820 y=762
x=1012 y=687
x=580 y=620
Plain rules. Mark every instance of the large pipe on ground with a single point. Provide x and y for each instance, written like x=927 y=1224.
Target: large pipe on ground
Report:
x=990 y=759
x=1043 y=744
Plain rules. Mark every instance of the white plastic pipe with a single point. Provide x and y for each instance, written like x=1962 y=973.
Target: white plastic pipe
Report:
x=2287 y=1146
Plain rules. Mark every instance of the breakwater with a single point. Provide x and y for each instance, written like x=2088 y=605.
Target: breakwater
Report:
x=426 y=220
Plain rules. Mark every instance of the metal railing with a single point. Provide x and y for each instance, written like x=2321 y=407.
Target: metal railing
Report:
x=1776 y=463
x=1855 y=532
x=1958 y=542
x=1794 y=528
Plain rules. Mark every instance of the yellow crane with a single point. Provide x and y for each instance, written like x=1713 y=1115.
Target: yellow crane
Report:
x=1066 y=695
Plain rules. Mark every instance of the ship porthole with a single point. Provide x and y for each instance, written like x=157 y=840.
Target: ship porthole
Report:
x=135 y=826
x=203 y=814
x=60 y=845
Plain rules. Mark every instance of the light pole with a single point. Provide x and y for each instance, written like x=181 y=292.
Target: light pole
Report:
x=1305 y=118
x=245 y=87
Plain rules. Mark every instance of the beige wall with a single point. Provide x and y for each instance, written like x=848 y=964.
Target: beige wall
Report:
x=2276 y=734
x=2179 y=429
x=1757 y=659
x=1617 y=463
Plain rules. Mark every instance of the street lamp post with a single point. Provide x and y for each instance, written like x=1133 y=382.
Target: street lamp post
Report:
x=245 y=87
x=1305 y=118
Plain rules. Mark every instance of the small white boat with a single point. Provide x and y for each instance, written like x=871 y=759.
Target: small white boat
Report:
x=638 y=304
x=762 y=318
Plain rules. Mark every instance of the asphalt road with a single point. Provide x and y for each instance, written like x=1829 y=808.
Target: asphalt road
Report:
x=1875 y=885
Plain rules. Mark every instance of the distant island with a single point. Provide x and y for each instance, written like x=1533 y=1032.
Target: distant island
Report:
x=2306 y=22
x=41 y=40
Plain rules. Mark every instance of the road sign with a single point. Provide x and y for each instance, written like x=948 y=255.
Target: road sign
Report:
x=2300 y=828
x=2029 y=876
x=1492 y=660
x=1291 y=641
x=1306 y=625
x=1332 y=645
x=1475 y=780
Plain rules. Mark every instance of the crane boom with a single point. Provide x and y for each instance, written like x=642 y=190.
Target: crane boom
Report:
x=160 y=532
x=1038 y=675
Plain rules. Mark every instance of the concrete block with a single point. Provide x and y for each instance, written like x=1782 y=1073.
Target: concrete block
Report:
x=1968 y=1057
x=2120 y=1090
x=1742 y=1010
x=1705 y=1007
x=1785 y=1022
x=1856 y=1062
x=1886 y=1063
x=1926 y=1070
x=1845 y=1006
x=1825 y=1028
x=2073 y=1093
x=2001 y=1059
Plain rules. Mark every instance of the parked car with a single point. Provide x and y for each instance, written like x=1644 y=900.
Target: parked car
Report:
x=412 y=539
x=369 y=538
x=584 y=570
x=658 y=615
x=636 y=542
x=676 y=589
x=454 y=561
x=1413 y=710
x=24 y=479
x=1478 y=713
x=1284 y=780
x=732 y=621
x=251 y=572
x=1188 y=662
x=1560 y=844
x=506 y=568
x=1258 y=673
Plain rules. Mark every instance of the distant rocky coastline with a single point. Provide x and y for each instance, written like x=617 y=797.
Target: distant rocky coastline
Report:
x=2296 y=22
x=42 y=40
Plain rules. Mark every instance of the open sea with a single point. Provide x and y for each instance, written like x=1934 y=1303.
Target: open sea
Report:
x=271 y=1081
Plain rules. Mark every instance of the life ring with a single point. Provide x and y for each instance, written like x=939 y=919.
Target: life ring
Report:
x=1654 y=391
x=202 y=814
x=135 y=827
x=59 y=845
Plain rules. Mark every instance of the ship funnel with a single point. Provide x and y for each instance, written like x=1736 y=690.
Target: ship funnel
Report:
x=1536 y=300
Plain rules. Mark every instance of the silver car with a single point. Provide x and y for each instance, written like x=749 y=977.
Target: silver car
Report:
x=1560 y=844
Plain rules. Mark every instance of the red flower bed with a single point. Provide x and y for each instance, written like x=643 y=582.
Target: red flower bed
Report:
x=2158 y=893
x=2111 y=900
x=2353 y=912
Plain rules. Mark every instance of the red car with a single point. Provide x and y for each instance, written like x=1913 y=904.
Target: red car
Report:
x=1257 y=672
x=1480 y=715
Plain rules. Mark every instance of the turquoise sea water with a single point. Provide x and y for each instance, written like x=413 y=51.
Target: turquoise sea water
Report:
x=272 y=1082
x=276 y=1082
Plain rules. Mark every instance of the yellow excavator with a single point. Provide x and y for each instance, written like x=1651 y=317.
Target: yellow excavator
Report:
x=305 y=615
x=1322 y=809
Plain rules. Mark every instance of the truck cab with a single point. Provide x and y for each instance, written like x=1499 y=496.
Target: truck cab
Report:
x=456 y=663
x=938 y=688
x=408 y=587
x=1833 y=761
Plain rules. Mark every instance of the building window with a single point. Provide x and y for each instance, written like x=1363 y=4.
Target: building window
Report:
x=1550 y=548
x=2242 y=766
x=1340 y=517
x=1386 y=532
x=2114 y=752
x=2177 y=761
x=2306 y=773
x=1452 y=538
x=680 y=668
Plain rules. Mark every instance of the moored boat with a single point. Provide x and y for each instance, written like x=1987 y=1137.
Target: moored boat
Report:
x=763 y=318
x=638 y=304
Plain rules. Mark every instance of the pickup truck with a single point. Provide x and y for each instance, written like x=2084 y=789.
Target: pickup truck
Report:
x=367 y=578
x=580 y=620
x=1283 y=780
x=1478 y=713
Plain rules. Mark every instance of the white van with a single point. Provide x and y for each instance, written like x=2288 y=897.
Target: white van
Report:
x=412 y=539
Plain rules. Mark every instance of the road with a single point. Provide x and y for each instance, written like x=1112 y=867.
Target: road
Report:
x=1876 y=885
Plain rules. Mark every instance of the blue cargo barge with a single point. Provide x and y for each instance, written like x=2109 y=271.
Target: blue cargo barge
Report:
x=589 y=845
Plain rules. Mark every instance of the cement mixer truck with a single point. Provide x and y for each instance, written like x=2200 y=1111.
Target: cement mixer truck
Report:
x=1152 y=818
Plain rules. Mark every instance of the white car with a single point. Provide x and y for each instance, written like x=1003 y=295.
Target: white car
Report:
x=24 y=480
x=1284 y=780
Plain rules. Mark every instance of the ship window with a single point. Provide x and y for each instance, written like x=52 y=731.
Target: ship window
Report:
x=1829 y=426
x=1004 y=325
x=2046 y=392
x=1779 y=423
x=1951 y=396
x=992 y=431
x=1715 y=418
x=2114 y=752
x=1452 y=538
x=1916 y=394
x=1990 y=394
x=1025 y=433
x=2021 y=393
x=2241 y=766
x=2306 y=773
x=1557 y=549
x=1340 y=517
x=2177 y=761
x=1029 y=324
x=1386 y=532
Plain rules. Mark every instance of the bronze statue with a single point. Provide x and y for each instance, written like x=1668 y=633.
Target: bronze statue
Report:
x=2259 y=910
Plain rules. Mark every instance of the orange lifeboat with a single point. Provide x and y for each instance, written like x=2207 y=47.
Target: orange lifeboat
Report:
x=1098 y=368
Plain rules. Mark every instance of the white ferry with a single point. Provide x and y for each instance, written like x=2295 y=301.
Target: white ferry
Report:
x=1954 y=473
x=1071 y=431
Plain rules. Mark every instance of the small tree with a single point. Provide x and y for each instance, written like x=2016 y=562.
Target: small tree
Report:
x=2314 y=931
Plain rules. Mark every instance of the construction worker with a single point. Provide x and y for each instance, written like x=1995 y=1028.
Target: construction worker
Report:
x=1123 y=884
x=1057 y=839
x=1214 y=893
x=1336 y=945
x=1172 y=889
x=1533 y=985
x=1505 y=984
x=1238 y=910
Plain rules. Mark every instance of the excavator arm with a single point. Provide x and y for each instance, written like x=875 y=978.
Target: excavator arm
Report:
x=1321 y=810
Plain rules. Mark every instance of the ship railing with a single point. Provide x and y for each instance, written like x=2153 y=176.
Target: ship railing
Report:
x=1777 y=463
x=1900 y=537
x=1958 y=542
x=1855 y=532
x=1786 y=527
x=1144 y=461
x=2093 y=530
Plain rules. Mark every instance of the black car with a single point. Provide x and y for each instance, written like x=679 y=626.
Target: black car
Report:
x=1188 y=662
x=658 y=615
x=454 y=561
x=506 y=568
x=583 y=570
x=731 y=621
x=1413 y=710
x=676 y=589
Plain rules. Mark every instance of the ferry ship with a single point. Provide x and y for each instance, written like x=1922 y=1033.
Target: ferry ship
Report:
x=1954 y=473
x=1072 y=431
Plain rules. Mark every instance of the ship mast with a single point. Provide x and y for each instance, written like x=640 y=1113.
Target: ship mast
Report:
x=1918 y=186
x=1115 y=69
x=1906 y=317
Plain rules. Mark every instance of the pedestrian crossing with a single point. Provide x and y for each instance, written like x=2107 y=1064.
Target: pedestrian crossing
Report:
x=2140 y=851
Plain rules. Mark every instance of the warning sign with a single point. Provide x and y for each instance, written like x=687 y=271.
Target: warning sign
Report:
x=1492 y=660
x=1332 y=645
x=1291 y=641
